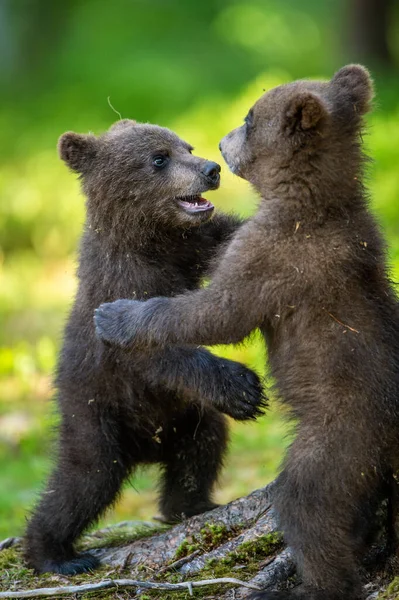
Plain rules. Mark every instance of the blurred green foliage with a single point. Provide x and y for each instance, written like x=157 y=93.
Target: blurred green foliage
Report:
x=195 y=67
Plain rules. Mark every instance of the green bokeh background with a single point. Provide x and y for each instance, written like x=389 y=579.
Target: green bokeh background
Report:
x=194 y=66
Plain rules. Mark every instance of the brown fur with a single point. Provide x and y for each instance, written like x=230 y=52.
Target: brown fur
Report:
x=119 y=410
x=310 y=271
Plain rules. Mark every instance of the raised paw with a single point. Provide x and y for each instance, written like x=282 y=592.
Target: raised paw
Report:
x=243 y=396
x=115 y=322
x=81 y=563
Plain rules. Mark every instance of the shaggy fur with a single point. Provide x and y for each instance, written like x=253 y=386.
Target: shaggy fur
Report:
x=148 y=232
x=310 y=271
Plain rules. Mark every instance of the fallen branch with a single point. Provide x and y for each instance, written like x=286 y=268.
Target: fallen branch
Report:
x=160 y=549
x=10 y=542
x=124 y=583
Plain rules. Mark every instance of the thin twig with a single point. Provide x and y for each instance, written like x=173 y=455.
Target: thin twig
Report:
x=343 y=324
x=179 y=563
x=124 y=583
x=127 y=561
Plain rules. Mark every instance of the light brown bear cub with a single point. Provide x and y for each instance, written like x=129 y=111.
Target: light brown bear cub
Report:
x=310 y=271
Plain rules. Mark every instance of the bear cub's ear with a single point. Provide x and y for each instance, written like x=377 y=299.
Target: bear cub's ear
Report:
x=354 y=83
x=77 y=150
x=305 y=111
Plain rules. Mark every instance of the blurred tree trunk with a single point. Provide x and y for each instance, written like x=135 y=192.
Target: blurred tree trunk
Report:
x=37 y=29
x=368 y=31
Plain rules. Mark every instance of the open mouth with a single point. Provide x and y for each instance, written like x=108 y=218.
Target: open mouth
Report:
x=195 y=204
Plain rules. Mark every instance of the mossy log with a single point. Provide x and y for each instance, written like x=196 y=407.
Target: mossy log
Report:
x=239 y=540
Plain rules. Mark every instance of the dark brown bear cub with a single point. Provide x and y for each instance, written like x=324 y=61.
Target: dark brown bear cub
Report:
x=310 y=271
x=148 y=232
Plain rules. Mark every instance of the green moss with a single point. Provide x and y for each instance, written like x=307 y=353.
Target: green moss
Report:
x=119 y=536
x=210 y=536
x=7 y=558
x=14 y=575
x=12 y=569
x=214 y=534
x=392 y=591
x=258 y=549
x=249 y=554
x=185 y=549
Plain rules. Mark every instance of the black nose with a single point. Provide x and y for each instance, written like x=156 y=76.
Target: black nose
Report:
x=211 y=170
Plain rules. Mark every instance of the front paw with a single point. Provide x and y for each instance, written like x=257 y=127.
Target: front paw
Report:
x=115 y=321
x=81 y=563
x=243 y=398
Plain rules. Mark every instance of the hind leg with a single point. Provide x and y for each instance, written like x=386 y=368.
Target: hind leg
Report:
x=193 y=451
x=322 y=492
x=86 y=480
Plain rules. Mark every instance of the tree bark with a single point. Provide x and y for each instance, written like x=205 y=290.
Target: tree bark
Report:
x=244 y=520
x=157 y=551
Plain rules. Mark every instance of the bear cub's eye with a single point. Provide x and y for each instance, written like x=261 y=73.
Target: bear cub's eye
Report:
x=160 y=161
